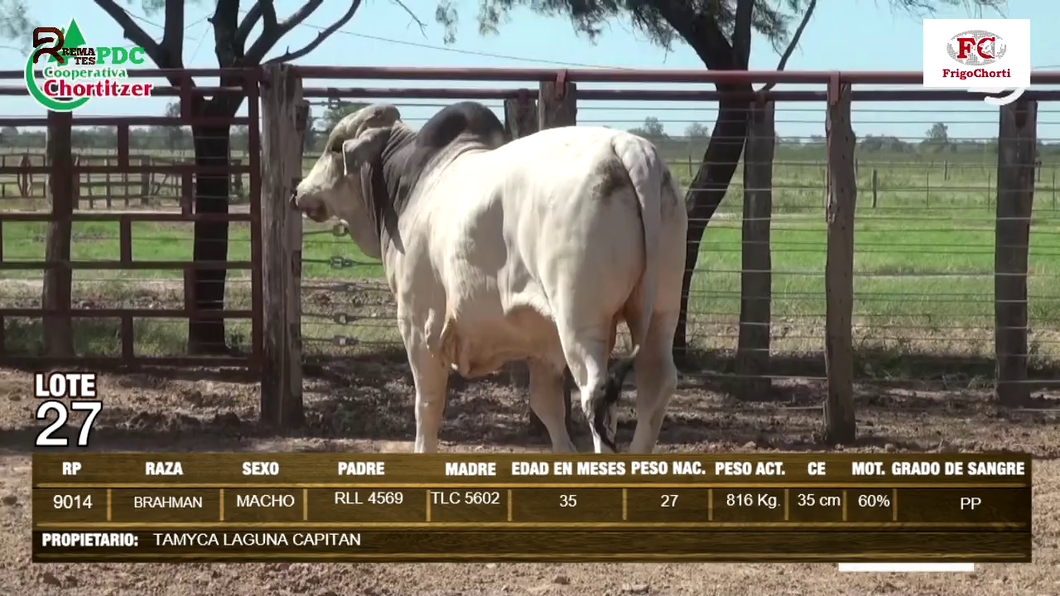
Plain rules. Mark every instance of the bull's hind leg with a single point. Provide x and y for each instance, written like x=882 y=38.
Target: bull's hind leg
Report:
x=546 y=400
x=656 y=381
x=586 y=349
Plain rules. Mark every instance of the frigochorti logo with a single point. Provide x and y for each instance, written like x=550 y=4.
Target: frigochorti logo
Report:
x=75 y=72
x=976 y=48
x=980 y=55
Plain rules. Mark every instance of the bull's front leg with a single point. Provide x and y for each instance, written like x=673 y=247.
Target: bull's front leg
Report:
x=431 y=378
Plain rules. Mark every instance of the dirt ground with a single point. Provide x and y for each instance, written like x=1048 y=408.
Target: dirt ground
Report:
x=367 y=406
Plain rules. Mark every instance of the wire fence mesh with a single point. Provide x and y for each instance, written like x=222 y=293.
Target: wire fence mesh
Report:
x=924 y=238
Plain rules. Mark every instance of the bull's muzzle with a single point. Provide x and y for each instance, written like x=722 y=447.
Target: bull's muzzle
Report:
x=311 y=207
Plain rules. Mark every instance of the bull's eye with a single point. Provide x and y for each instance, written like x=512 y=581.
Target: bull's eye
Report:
x=336 y=147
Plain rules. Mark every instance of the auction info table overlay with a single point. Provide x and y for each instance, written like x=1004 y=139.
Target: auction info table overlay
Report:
x=526 y=507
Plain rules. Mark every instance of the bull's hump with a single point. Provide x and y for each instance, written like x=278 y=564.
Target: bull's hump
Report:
x=469 y=121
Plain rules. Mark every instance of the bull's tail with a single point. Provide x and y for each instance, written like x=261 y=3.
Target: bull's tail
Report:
x=651 y=181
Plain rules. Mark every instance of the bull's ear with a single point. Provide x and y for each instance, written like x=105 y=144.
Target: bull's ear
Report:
x=363 y=149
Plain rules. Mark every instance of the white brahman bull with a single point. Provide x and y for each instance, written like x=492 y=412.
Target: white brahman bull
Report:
x=531 y=250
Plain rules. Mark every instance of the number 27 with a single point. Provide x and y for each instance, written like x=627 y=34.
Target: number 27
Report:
x=45 y=438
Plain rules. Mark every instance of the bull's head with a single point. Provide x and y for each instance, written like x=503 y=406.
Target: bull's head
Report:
x=339 y=185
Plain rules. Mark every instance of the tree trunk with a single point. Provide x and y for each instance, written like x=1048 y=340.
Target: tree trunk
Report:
x=709 y=188
x=207 y=336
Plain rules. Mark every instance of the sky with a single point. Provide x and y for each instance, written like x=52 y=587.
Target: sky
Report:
x=843 y=34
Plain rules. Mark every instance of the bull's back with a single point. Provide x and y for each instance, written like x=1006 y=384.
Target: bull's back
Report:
x=559 y=150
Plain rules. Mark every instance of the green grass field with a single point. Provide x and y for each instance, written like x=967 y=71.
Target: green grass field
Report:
x=923 y=270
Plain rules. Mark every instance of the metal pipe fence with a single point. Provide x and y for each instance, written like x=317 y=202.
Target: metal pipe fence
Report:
x=103 y=219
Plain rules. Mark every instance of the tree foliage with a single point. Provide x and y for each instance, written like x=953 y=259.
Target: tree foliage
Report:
x=652 y=18
x=656 y=18
x=652 y=130
x=697 y=131
x=337 y=112
x=937 y=138
x=938 y=132
x=15 y=22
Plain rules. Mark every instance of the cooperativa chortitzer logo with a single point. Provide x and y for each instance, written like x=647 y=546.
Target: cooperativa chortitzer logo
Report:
x=74 y=72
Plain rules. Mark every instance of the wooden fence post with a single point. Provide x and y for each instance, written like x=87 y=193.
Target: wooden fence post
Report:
x=237 y=178
x=58 y=328
x=89 y=189
x=76 y=183
x=1015 y=198
x=145 y=181
x=520 y=116
x=109 y=185
x=557 y=105
x=520 y=120
x=839 y=271
x=875 y=187
x=752 y=352
x=284 y=118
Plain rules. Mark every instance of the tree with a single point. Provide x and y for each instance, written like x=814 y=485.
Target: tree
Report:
x=336 y=112
x=8 y=134
x=937 y=138
x=318 y=128
x=696 y=131
x=233 y=48
x=719 y=31
x=174 y=135
x=310 y=133
x=652 y=130
x=939 y=132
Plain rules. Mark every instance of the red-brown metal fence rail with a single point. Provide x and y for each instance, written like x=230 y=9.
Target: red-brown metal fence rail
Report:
x=65 y=178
